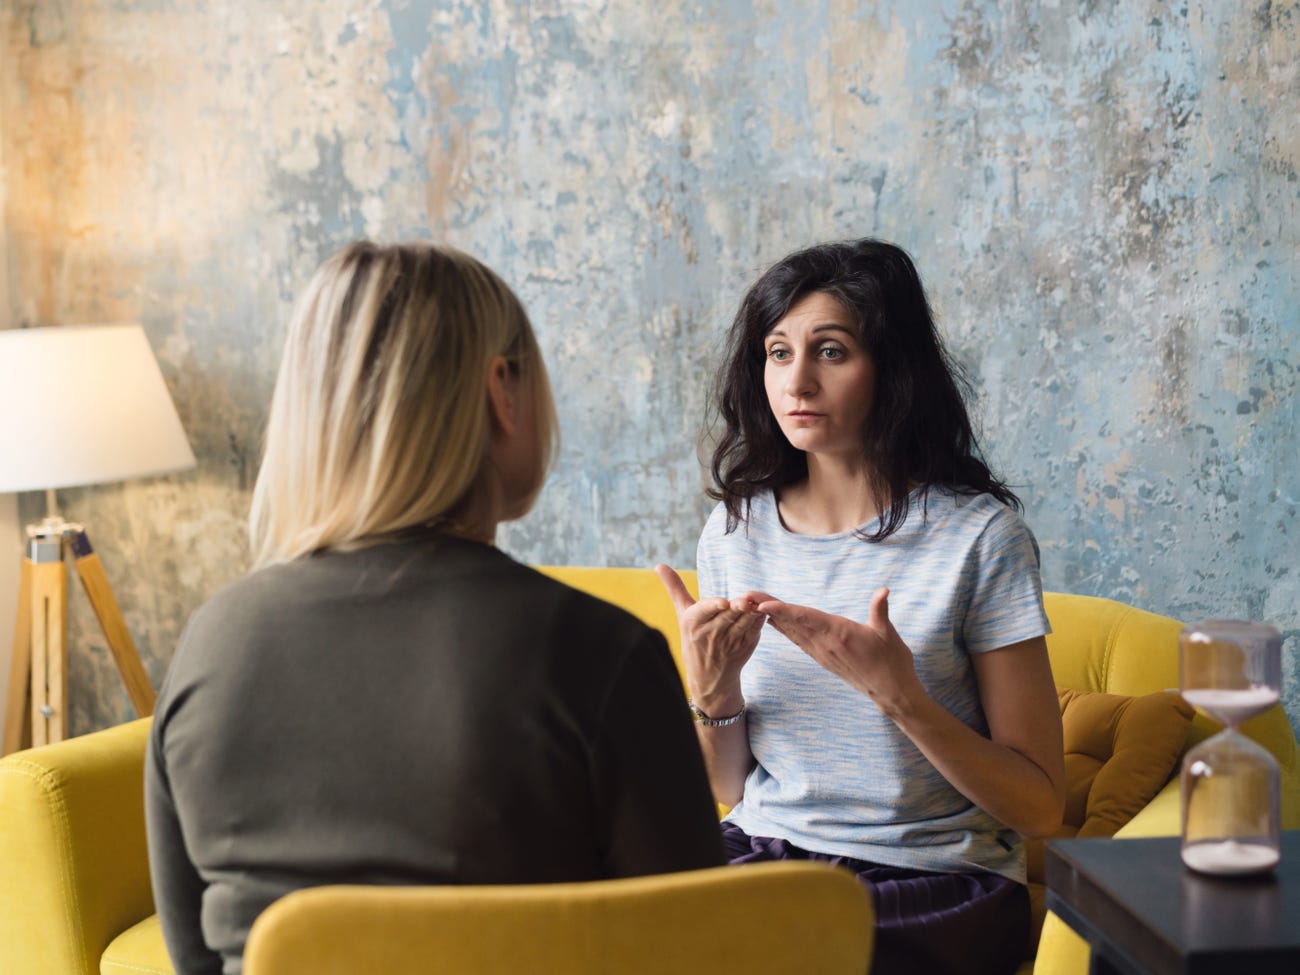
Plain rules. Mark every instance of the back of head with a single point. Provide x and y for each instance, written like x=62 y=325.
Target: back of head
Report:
x=379 y=421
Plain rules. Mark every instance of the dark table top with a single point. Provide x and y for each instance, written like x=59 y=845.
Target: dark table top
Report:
x=1137 y=904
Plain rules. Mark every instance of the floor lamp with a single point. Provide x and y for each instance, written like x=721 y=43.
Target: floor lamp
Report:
x=78 y=405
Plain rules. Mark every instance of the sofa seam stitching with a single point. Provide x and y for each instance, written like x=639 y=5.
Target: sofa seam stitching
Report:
x=1112 y=638
x=150 y=970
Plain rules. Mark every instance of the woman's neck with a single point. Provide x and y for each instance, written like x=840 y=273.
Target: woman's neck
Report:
x=836 y=497
x=478 y=515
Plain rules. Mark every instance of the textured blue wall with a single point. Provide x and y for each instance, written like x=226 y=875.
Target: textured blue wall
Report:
x=1102 y=197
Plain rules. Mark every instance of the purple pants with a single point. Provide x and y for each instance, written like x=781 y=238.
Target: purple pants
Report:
x=932 y=923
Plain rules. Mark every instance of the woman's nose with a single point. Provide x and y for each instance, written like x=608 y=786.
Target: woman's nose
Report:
x=800 y=380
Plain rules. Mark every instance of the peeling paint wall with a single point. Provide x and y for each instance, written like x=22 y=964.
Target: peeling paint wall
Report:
x=1101 y=195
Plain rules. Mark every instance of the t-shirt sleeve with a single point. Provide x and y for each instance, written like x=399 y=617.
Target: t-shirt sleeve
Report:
x=1006 y=603
x=652 y=789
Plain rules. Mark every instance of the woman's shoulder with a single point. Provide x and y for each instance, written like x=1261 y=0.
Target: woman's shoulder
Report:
x=980 y=522
x=260 y=590
x=563 y=615
x=758 y=512
x=577 y=607
x=216 y=632
x=326 y=579
x=940 y=502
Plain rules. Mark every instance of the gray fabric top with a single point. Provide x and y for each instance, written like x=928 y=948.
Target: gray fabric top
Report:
x=834 y=775
x=426 y=711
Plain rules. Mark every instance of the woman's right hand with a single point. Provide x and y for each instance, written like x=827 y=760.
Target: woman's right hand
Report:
x=718 y=638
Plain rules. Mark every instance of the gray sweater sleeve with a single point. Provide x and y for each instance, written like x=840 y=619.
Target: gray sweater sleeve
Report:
x=178 y=889
x=650 y=774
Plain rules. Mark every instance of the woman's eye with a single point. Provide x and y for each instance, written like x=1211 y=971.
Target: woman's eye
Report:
x=778 y=354
x=831 y=352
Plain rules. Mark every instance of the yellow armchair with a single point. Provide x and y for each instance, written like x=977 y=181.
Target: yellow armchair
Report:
x=74 y=871
x=768 y=919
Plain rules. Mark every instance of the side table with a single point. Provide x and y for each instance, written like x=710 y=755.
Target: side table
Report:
x=1143 y=912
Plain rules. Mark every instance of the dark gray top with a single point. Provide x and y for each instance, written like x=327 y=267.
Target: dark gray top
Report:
x=427 y=711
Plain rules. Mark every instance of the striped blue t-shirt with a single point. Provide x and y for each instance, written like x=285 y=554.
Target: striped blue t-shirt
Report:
x=834 y=775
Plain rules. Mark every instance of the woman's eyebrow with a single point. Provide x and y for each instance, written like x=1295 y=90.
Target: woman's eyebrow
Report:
x=827 y=327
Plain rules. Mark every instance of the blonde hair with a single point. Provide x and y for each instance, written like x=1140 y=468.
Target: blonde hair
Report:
x=379 y=421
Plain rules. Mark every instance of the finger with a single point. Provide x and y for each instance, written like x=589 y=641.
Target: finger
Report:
x=878 y=614
x=677 y=591
x=742 y=624
x=801 y=625
x=788 y=614
x=784 y=618
x=715 y=606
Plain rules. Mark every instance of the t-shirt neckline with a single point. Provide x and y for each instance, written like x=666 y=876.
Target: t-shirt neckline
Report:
x=913 y=497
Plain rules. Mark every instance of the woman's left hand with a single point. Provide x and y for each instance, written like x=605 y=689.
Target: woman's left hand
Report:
x=1017 y=775
x=870 y=657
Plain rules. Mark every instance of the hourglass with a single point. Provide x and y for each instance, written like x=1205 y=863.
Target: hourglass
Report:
x=1232 y=670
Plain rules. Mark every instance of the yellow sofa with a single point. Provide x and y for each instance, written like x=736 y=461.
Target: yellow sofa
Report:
x=74 y=882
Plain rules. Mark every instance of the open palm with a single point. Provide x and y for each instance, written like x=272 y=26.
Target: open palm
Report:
x=870 y=657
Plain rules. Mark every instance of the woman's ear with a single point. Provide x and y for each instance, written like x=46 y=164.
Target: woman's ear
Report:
x=503 y=405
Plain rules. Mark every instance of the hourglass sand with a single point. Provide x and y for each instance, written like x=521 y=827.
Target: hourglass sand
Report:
x=1232 y=670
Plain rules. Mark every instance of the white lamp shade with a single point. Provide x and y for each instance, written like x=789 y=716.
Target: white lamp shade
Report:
x=84 y=404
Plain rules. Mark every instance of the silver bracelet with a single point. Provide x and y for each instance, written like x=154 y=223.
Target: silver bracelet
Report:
x=704 y=719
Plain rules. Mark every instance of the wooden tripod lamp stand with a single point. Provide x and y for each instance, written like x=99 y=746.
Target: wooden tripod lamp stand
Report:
x=78 y=405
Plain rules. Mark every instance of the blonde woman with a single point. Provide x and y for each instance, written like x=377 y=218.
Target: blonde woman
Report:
x=388 y=698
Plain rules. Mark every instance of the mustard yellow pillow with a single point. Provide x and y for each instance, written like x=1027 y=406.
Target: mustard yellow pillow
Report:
x=1119 y=752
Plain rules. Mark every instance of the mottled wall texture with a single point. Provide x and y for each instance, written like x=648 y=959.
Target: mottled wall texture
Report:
x=1101 y=194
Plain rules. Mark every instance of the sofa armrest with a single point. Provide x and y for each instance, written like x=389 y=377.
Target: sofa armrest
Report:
x=75 y=867
x=1159 y=817
x=1060 y=950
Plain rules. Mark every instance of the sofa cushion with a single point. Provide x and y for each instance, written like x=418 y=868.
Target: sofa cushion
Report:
x=139 y=950
x=1119 y=752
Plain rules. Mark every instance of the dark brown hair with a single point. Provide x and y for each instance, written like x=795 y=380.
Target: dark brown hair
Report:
x=918 y=431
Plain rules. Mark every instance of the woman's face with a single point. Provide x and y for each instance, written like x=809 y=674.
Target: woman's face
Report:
x=820 y=381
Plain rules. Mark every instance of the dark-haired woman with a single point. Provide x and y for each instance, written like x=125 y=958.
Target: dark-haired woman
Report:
x=897 y=714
